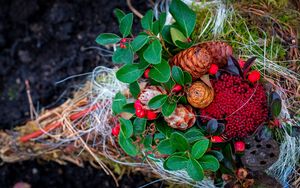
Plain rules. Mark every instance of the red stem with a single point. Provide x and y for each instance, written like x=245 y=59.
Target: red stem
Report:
x=55 y=125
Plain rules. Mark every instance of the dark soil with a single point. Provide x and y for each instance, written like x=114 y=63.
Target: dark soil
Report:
x=43 y=42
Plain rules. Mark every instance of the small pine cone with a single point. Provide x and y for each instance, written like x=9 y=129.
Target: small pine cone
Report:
x=182 y=118
x=195 y=60
x=148 y=93
x=199 y=95
x=219 y=51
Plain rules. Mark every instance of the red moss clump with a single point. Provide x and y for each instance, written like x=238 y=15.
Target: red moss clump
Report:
x=243 y=106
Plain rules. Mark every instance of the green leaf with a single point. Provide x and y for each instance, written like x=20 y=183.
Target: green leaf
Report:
x=178 y=75
x=169 y=84
x=184 y=16
x=126 y=24
x=148 y=141
x=276 y=107
x=123 y=55
x=157 y=101
x=118 y=103
x=193 y=134
x=163 y=128
x=162 y=20
x=176 y=162
x=166 y=34
x=177 y=35
x=152 y=54
x=127 y=145
x=119 y=14
x=147 y=20
x=187 y=78
x=107 y=38
x=155 y=28
x=129 y=107
x=179 y=142
x=168 y=108
x=161 y=72
x=217 y=154
x=199 y=148
x=126 y=127
x=139 y=125
x=165 y=147
x=209 y=162
x=183 y=45
x=139 y=42
x=129 y=73
x=134 y=89
x=194 y=170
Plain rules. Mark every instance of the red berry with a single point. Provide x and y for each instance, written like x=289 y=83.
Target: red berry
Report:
x=138 y=105
x=213 y=69
x=242 y=63
x=239 y=146
x=116 y=130
x=151 y=115
x=122 y=45
x=177 y=88
x=146 y=73
x=123 y=40
x=254 y=76
x=189 y=40
x=140 y=113
x=216 y=139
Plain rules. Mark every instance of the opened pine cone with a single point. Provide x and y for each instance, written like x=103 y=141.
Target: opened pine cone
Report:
x=148 y=93
x=182 y=118
x=197 y=59
x=199 y=95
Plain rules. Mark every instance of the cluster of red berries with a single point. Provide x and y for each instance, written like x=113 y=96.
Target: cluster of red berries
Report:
x=122 y=43
x=242 y=105
x=140 y=112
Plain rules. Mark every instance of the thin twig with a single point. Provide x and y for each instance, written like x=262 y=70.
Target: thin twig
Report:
x=135 y=11
x=31 y=107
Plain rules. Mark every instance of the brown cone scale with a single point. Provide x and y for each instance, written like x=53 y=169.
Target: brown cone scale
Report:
x=199 y=95
x=197 y=59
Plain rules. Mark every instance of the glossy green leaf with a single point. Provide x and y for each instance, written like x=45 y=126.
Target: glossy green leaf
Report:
x=209 y=162
x=148 y=141
x=160 y=72
x=166 y=34
x=170 y=84
x=139 y=42
x=199 y=148
x=127 y=145
x=126 y=24
x=134 y=89
x=118 y=103
x=119 y=14
x=179 y=142
x=184 y=16
x=123 y=55
x=187 y=78
x=178 y=75
x=152 y=54
x=129 y=73
x=176 y=162
x=193 y=134
x=194 y=170
x=107 y=38
x=129 y=108
x=183 y=45
x=168 y=108
x=126 y=127
x=276 y=107
x=157 y=101
x=177 y=35
x=165 y=147
x=162 y=20
x=139 y=125
x=147 y=20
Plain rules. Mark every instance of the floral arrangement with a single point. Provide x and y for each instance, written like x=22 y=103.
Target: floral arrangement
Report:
x=181 y=105
x=190 y=105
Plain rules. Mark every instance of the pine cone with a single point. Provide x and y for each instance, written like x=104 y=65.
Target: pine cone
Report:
x=182 y=118
x=219 y=51
x=148 y=93
x=195 y=60
x=199 y=95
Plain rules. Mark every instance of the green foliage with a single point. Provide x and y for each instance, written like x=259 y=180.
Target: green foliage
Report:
x=118 y=103
x=157 y=101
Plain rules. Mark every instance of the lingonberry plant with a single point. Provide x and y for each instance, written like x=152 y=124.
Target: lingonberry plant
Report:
x=196 y=100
